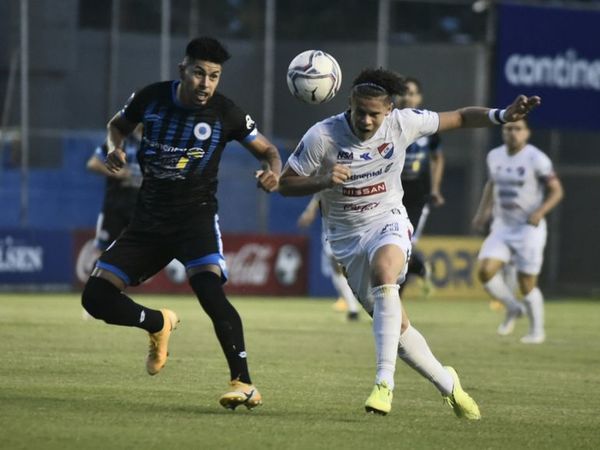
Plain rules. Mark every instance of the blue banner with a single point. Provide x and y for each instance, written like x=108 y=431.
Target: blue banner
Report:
x=553 y=53
x=35 y=257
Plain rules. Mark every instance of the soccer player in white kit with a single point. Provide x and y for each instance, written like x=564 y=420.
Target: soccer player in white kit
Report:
x=354 y=161
x=522 y=188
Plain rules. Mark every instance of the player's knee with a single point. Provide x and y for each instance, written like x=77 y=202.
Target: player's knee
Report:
x=96 y=297
x=485 y=273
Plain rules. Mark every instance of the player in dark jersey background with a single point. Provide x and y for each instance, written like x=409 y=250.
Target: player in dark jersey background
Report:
x=421 y=180
x=120 y=192
x=186 y=125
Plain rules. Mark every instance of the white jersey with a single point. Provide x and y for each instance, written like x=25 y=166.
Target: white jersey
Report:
x=374 y=189
x=519 y=183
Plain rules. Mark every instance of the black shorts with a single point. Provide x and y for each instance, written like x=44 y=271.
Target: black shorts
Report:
x=138 y=254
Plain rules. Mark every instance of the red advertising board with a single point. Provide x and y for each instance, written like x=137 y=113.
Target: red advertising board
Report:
x=257 y=265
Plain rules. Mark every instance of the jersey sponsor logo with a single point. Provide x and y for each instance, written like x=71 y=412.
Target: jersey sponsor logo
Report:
x=365 y=176
x=345 y=155
x=388 y=167
x=163 y=147
x=393 y=227
x=249 y=122
x=386 y=150
x=366 y=156
x=202 y=131
x=364 y=190
x=192 y=153
x=362 y=207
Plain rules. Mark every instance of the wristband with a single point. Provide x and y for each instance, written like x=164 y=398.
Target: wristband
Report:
x=496 y=116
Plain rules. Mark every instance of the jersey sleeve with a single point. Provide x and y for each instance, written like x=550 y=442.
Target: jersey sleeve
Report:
x=308 y=155
x=134 y=108
x=242 y=126
x=544 y=170
x=416 y=123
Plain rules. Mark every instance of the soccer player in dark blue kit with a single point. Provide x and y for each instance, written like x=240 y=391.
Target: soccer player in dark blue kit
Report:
x=186 y=126
x=421 y=180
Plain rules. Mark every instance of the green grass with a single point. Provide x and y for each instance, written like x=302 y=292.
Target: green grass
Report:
x=71 y=383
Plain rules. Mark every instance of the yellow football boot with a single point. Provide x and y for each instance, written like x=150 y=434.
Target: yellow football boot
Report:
x=462 y=403
x=241 y=394
x=159 y=343
x=380 y=400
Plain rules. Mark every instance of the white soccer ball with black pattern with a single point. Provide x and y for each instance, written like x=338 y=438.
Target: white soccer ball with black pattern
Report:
x=314 y=77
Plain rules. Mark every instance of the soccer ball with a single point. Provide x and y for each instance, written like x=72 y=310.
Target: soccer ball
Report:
x=314 y=77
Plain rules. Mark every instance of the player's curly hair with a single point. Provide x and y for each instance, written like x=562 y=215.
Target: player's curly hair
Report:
x=377 y=82
x=206 y=48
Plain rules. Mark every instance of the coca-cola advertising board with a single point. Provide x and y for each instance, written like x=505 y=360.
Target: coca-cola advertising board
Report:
x=256 y=265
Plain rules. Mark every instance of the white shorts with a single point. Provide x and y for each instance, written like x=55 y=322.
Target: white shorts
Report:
x=355 y=253
x=524 y=244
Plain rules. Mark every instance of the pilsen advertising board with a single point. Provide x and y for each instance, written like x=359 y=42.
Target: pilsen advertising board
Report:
x=31 y=258
x=257 y=265
x=554 y=53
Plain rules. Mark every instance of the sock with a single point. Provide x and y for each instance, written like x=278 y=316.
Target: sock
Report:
x=498 y=289
x=343 y=289
x=415 y=352
x=226 y=321
x=387 y=320
x=103 y=300
x=534 y=303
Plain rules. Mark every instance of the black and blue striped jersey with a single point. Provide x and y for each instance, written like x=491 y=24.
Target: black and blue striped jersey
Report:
x=180 y=151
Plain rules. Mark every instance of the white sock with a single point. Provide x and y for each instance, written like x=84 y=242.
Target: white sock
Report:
x=534 y=302
x=343 y=289
x=415 y=352
x=498 y=289
x=387 y=321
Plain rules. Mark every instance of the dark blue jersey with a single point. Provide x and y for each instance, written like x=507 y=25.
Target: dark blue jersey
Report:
x=122 y=192
x=180 y=151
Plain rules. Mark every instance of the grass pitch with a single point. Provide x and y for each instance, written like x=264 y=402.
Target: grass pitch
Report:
x=70 y=383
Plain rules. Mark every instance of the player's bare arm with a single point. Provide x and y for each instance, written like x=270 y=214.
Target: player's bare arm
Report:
x=96 y=165
x=291 y=184
x=437 y=162
x=484 y=211
x=309 y=214
x=478 y=117
x=554 y=194
x=266 y=152
x=118 y=129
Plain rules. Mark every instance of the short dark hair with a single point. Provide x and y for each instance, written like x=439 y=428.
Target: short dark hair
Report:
x=414 y=81
x=377 y=82
x=206 y=48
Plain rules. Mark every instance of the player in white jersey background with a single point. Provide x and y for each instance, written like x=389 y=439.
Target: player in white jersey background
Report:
x=354 y=160
x=522 y=188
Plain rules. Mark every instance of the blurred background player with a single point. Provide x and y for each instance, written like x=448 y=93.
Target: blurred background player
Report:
x=329 y=266
x=120 y=192
x=522 y=188
x=421 y=180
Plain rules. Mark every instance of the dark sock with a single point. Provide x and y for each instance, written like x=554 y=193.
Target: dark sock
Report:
x=226 y=321
x=103 y=300
x=416 y=266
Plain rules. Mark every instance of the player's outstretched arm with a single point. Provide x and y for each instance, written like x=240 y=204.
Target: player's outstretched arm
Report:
x=268 y=155
x=477 y=117
x=292 y=184
x=118 y=129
